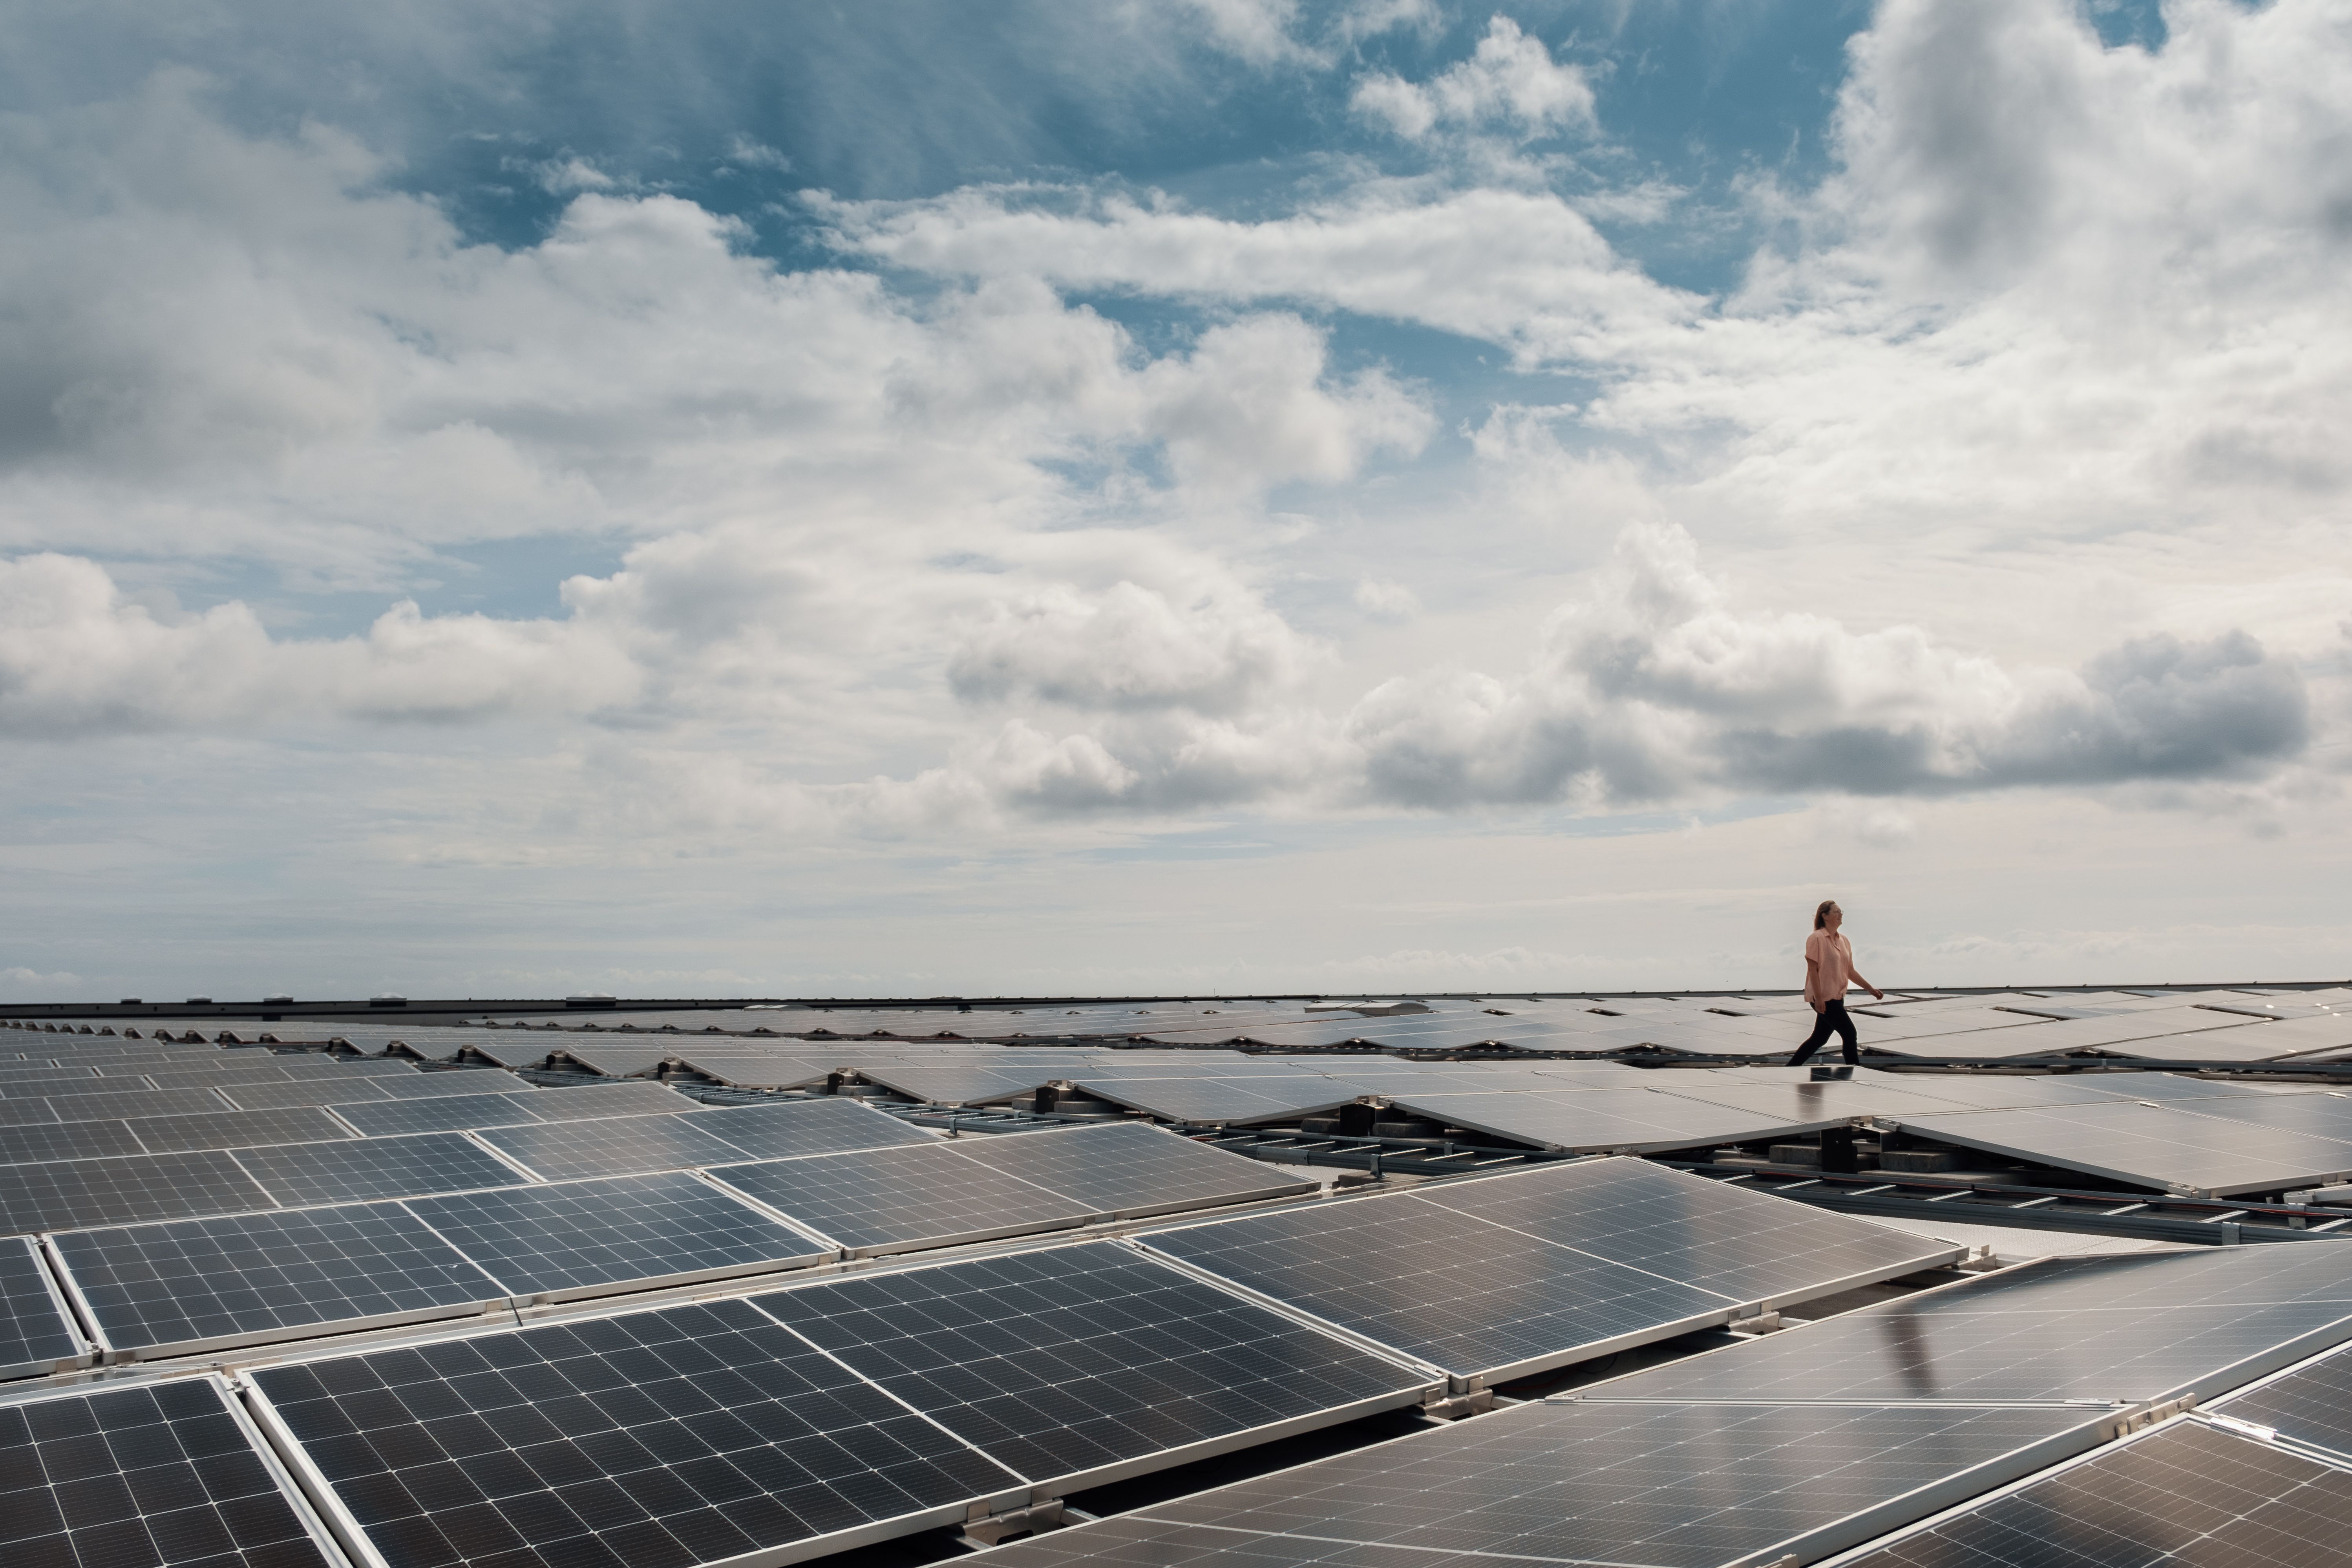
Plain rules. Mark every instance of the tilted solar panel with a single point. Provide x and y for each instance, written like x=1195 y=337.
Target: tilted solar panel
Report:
x=824 y=1126
x=28 y=1145
x=1070 y=1365
x=237 y=1129
x=582 y=1239
x=601 y=1099
x=36 y=1335
x=441 y=1114
x=609 y=1146
x=892 y=1200
x=2170 y=1146
x=245 y=1279
x=360 y=1168
x=280 y=1096
x=161 y=1476
x=1130 y=1169
x=2147 y=1327
x=2183 y=1496
x=674 y=1438
x=73 y=1193
x=1658 y=1486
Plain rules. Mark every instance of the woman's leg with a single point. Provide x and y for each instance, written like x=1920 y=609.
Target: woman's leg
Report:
x=1846 y=1035
x=1822 y=1023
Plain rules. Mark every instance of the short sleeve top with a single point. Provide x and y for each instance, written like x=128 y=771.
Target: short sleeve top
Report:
x=1829 y=966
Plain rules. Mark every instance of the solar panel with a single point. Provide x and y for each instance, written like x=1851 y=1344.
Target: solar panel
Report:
x=583 y=1239
x=2311 y=1405
x=653 y=1440
x=1508 y=1274
x=35 y=1334
x=202 y=1284
x=407 y=1083
x=613 y=1146
x=126 y=1104
x=2165 y=1147
x=893 y=1200
x=279 y=1095
x=237 y=1129
x=1671 y=1485
x=2143 y=1326
x=2184 y=1496
x=67 y=1141
x=598 y=1099
x=444 y=1113
x=1600 y=1120
x=1133 y=1170
x=155 y=1476
x=825 y=1126
x=1071 y=1365
x=362 y=1168
x=1217 y=1101
x=73 y=1194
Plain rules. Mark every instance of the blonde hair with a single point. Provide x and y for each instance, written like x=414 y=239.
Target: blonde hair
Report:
x=1822 y=912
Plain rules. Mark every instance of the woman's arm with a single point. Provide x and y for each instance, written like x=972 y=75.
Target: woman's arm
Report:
x=1813 y=980
x=1865 y=984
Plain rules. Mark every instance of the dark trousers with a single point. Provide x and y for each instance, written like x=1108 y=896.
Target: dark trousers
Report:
x=1832 y=1016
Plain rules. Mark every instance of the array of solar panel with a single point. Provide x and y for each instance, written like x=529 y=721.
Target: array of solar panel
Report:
x=244 y=1277
x=2184 y=1496
x=1548 y=1266
x=810 y=1127
x=515 y=1107
x=2143 y=1326
x=1076 y=1361
x=35 y=1335
x=1131 y=1170
x=1655 y=1486
x=574 y=1238
x=653 y=1440
x=151 y=1477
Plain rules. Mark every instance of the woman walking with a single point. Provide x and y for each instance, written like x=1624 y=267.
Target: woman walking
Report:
x=1829 y=970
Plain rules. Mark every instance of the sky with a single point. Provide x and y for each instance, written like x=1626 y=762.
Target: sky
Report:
x=1203 y=497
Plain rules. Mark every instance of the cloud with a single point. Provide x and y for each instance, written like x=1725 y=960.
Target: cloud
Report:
x=1510 y=80
x=77 y=659
x=1391 y=602
x=1655 y=687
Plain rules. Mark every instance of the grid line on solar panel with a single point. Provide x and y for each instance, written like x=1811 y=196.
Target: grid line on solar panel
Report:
x=2147 y=1327
x=362 y=1168
x=73 y=1193
x=237 y=1129
x=243 y=1278
x=440 y=1114
x=578 y=1238
x=1087 y=1362
x=1128 y=1542
x=2183 y=1496
x=36 y=1335
x=1654 y=1485
x=884 y=1200
x=2163 y=1147
x=653 y=1440
x=155 y=1476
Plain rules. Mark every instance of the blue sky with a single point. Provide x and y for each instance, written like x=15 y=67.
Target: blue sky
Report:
x=1227 y=495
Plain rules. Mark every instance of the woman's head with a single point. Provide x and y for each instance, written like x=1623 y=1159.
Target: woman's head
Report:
x=1821 y=915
